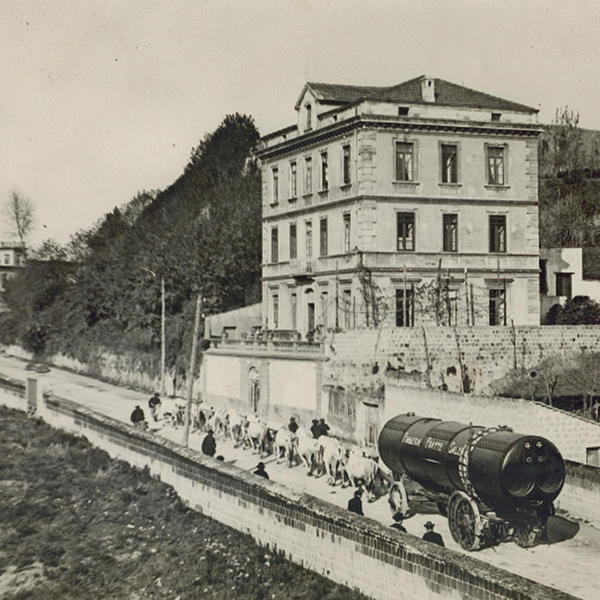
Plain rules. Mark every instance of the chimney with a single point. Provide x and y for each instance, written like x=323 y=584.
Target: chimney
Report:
x=428 y=89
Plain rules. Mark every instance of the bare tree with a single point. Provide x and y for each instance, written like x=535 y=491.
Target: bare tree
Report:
x=18 y=214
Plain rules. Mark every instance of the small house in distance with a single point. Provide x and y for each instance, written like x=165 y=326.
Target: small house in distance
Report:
x=566 y=273
x=12 y=257
x=398 y=206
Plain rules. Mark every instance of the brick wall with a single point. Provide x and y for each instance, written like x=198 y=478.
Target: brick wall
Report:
x=443 y=355
x=349 y=549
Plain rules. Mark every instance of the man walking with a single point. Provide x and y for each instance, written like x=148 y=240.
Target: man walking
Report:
x=138 y=417
x=431 y=536
x=154 y=405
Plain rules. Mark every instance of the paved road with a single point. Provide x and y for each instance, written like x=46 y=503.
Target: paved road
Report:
x=570 y=561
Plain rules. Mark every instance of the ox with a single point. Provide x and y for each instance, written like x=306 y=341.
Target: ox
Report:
x=360 y=469
x=308 y=450
x=173 y=411
x=236 y=425
x=256 y=434
x=218 y=422
x=284 y=446
x=332 y=455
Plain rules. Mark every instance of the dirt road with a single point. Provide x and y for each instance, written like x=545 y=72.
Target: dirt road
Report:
x=570 y=561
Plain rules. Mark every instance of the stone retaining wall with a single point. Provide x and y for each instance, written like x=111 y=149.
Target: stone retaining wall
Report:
x=447 y=355
x=347 y=548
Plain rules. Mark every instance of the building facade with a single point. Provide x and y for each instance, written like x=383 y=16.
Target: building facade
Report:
x=399 y=206
x=12 y=257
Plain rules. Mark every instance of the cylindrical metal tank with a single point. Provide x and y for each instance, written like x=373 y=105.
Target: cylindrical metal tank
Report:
x=501 y=468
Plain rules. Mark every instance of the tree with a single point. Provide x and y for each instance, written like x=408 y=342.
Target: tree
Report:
x=18 y=213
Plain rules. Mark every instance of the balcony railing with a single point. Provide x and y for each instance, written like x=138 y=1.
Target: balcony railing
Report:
x=270 y=346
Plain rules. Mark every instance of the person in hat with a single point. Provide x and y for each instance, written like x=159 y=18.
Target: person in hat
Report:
x=355 y=503
x=209 y=444
x=315 y=429
x=431 y=536
x=154 y=405
x=138 y=417
x=397 y=524
x=260 y=470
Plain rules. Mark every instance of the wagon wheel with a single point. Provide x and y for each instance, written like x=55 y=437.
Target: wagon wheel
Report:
x=524 y=535
x=464 y=521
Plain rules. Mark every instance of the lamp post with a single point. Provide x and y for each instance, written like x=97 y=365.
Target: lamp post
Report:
x=190 y=382
x=162 y=332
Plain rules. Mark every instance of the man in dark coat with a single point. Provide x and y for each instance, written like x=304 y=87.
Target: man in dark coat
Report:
x=138 y=417
x=431 y=536
x=314 y=429
x=153 y=404
x=260 y=470
x=355 y=503
x=209 y=444
x=323 y=428
x=293 y=426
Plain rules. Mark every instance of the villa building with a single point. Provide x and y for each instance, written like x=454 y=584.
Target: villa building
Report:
x=399 y=206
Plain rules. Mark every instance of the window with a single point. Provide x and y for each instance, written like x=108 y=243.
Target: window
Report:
x=347 y=232
x=450 y=233
x=308 y=117
x=449 y=163
x=496 y=117
x=346 y=164
x=7 y=259
x=497 y=307
x=405 y=307
x=275 y=197
x=323 y=237
x=294 y=310
x=275 y=311
x=544 y=277
x=293 y=179
x=324 y=308
x=402 y=111
x=405 y=164
x=498 y=233
x=495 y=165
x=293 y=241
x=347 y=303
x=563 y=285
x=308 y=239
x=406 y=231
x=274 y=245
x=324 y=171
x=308 y=175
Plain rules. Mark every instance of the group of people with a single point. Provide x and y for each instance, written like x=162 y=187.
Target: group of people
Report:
x=355 y=506
x=138 y=418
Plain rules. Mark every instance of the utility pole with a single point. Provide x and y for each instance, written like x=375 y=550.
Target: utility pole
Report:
x=190 y=385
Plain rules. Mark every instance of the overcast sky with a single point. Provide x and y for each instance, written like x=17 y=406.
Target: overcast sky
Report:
x=102 y=99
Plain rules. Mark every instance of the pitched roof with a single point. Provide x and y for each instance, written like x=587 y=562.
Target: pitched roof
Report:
x=446 y=93
x=342 y=94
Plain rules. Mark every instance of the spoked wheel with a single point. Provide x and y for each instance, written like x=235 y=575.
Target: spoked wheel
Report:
x=524 y=535
x=464 y=521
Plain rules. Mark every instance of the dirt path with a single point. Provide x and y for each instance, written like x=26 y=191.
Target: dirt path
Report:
x=569 y=562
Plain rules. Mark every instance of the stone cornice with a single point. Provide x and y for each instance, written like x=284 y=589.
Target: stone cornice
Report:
x=336 y=130
x=412 y=200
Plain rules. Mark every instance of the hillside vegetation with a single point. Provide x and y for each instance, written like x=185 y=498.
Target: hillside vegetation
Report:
x=201 y=235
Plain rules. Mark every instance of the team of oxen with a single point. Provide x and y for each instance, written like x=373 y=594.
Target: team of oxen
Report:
x=325 y=455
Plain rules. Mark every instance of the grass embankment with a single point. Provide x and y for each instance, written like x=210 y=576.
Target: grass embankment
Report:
x=76 y=524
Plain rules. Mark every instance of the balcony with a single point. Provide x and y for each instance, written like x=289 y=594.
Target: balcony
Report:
x=268 y=347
